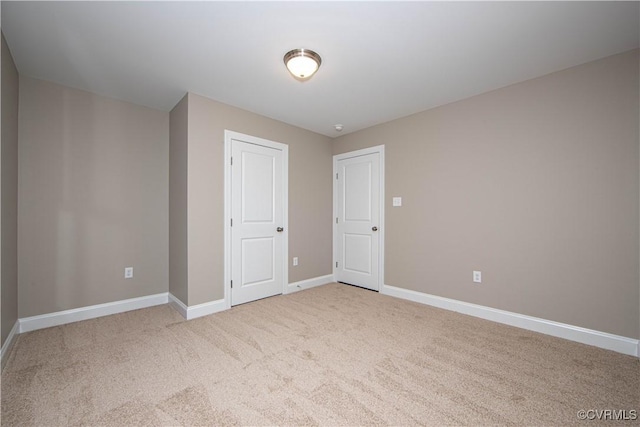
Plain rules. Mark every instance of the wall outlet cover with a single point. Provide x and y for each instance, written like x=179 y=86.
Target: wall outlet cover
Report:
x=477 y=276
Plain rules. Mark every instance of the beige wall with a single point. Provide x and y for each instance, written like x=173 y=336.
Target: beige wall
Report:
x=535 y=184
x=310 y=194
x=178 y=255
x=9 y=168
x=93 y=199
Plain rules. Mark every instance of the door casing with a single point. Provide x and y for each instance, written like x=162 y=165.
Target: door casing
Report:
x=380 y=150
x=228 y=137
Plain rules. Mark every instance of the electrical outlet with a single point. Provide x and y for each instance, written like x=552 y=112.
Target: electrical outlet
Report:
x=295 y=261
x=477 y=276
x=128 y=272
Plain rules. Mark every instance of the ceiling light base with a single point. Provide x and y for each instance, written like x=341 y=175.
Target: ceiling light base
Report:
x=302 y=63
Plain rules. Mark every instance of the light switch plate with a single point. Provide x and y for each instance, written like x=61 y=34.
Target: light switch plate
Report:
x=397 y=201
x=128 y=273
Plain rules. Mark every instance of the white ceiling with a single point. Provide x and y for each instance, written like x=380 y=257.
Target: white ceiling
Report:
x=380 y=60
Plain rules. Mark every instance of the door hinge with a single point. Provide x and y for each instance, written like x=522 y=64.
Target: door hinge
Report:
x=336 y=176
x=336 y=220
x=232 y=222
x=232 y=284
x=336 y=264
x=232 y=161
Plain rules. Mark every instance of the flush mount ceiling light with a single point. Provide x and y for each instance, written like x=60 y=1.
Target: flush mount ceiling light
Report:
x=302 y=63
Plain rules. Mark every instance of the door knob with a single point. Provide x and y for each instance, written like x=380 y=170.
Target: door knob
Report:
x=374 y=228
x=279 y=229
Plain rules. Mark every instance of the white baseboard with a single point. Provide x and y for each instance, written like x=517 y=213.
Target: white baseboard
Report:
x=91 y=312
x=8 y=344
x=195 y=311
x=177 y=305
x=604 y=340
x=310 y=283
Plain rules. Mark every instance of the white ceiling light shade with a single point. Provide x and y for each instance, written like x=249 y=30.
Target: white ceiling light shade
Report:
x=302 y=63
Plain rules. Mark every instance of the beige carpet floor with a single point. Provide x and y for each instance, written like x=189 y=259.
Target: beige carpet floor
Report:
x=332 y=355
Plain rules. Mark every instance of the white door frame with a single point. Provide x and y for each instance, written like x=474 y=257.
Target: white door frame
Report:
x=380 y=150
x=228 y=136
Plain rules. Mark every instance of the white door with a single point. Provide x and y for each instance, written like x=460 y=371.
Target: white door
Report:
x=257 y=221
x=357 y=238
